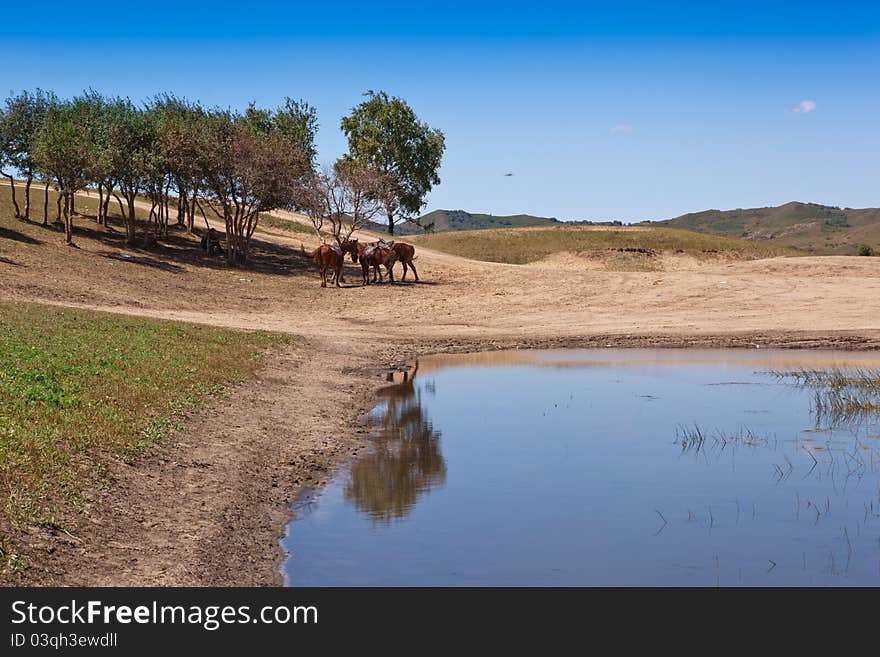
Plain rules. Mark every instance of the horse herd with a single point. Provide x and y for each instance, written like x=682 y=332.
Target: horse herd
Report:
x=370 y=255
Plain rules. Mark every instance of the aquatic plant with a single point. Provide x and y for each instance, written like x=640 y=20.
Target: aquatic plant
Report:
x=841 y=395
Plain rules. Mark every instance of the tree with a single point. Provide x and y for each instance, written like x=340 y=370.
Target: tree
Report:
x=94 y=111
x=250 y=164
x=346 y=196
x=296 y=120
x=180 y=139
x=61 y=150
x=19 y=122
x=132 y=148
x=384 y=133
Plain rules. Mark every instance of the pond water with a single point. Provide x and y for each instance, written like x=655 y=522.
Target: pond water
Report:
x=601 y=467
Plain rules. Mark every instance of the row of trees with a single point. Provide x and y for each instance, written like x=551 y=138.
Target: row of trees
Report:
x=183 y=156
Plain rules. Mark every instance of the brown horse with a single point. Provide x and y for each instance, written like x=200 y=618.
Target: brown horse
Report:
x=406 y=254
x=373 y=255
x=325 y=256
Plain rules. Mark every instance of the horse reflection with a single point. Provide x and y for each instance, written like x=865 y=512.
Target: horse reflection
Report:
x=406 y=462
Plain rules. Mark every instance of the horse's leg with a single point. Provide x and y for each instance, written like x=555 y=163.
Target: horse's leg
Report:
x=323 y=275
x=413 y=267
x=403 y=262
x=390 y=269
x=338 y=274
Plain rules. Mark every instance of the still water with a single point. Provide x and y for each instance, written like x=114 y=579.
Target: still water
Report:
x=601 y=467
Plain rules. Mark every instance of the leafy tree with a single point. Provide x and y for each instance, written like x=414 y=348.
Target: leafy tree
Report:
x=61 y=150
x=384 y=133
x=250 y=164
x=296 y=120
x=180 y=134
x=94 y=111
x=132 y=147
x=19 y=122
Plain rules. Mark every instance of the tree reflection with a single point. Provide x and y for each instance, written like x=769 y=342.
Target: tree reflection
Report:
x=406 y=462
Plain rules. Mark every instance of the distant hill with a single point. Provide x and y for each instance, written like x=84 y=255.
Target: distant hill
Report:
x=450 y=220
x=811 y=227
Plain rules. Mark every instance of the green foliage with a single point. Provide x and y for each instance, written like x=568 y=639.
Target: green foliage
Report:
x=252 y=163
x=20 y=121
x=864 y=250
x=132 y=144
x=384 y=132
x=62 y=145
x=296 y=120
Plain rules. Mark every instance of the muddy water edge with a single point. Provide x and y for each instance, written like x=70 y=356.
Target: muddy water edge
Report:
x=819 y=343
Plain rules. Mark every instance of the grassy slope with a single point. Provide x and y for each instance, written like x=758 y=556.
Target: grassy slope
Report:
x=809 y=227
x=529 y=245
x=269 y=222
x=80 y=389
x=813 y=228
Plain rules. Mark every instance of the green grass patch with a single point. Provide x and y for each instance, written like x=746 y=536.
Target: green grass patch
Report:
x=81 y=389
x=521 y=246
x=269 y=221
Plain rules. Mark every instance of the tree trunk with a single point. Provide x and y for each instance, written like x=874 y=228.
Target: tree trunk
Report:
x=121 y=208
x=167 y=194
x=60 y=197
x=191 y=219
x=230 y=238
x=98 y=217
x=390 y=223
x=72 y=198
x=68 y=218
x=106 y=211
x=14 y=201
x=130 y=221
x=27 y=196
x=46 y=205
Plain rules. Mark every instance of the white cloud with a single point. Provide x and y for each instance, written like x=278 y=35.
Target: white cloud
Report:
x=804 y=107
x=623 y=128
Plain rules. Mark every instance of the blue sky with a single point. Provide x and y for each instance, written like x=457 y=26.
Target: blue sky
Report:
x=613 y=110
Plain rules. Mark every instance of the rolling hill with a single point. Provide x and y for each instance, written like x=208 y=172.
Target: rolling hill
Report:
x=453 y=220
x=810 y=227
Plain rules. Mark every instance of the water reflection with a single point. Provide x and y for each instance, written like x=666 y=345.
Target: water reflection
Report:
x=632 y=468
x=406 y=461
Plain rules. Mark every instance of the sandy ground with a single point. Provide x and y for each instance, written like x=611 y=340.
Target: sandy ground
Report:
x=210 y=509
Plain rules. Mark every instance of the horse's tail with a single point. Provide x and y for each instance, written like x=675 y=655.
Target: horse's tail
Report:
x=306 y=253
